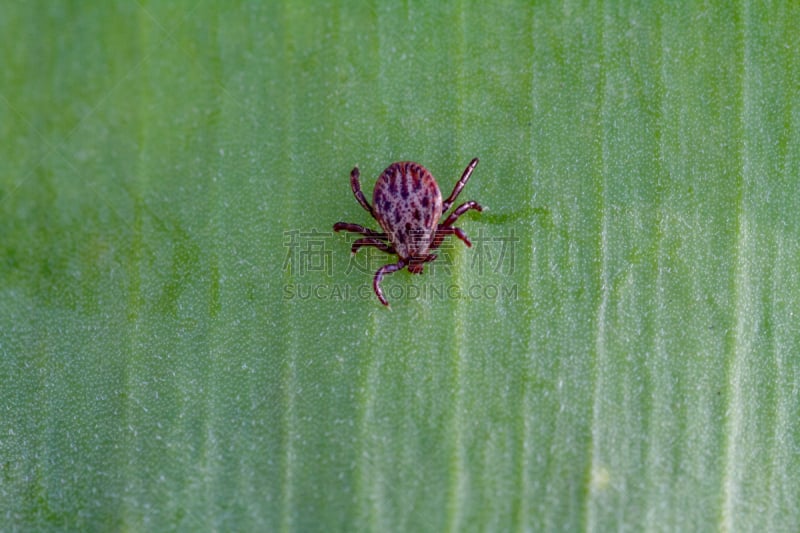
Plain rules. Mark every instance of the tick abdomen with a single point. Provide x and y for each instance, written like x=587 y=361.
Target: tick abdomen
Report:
x=408 y=204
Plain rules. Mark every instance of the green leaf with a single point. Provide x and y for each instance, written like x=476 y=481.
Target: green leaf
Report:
x=185 y=343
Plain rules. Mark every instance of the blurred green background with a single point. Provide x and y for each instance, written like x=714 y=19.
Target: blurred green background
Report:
x=185 y=345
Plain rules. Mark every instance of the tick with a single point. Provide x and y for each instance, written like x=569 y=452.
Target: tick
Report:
x=407 y=204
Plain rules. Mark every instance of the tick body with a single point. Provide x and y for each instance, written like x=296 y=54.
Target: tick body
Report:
x=408 y=206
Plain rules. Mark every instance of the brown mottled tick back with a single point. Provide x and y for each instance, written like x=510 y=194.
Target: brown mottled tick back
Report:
x=408 y=205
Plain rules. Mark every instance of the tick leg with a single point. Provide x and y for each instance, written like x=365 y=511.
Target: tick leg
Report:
x=372 y=241
x=460 y=185
x=442 y=231
x=376 y=281
x=356 y=186
x=460 y=210
x=355 y=228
